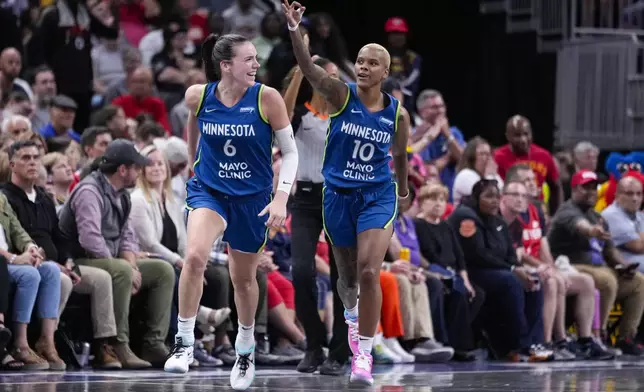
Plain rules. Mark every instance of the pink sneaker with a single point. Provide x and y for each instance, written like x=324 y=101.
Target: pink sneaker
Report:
x=353 y=332
x=361 y=365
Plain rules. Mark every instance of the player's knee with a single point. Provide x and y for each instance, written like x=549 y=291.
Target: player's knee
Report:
x=242 y=284
x=196 y=262
x=369 y=276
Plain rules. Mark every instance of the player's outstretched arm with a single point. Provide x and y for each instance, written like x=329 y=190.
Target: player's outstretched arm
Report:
x=334 y=90
x=399 y=150
x=193 y=102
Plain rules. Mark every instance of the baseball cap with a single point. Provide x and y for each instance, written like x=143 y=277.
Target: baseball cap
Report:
x=63 y=102
x=123 y=152
x=583 y=177
x=396 y=25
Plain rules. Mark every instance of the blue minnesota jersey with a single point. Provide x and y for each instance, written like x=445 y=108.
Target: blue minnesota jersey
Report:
x=235 y=149
x=358 y=144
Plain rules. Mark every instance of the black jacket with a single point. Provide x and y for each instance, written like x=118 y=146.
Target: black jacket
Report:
x=39 y=220
x=485 y=241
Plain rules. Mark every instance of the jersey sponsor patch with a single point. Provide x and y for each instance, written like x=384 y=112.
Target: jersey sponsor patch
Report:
x=467 y=228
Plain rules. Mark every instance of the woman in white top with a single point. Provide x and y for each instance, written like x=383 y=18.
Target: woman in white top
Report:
x=157 y=219
x=476 y=162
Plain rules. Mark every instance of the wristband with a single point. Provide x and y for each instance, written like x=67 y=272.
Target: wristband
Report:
x=293 y=28
x=12 y=259
x=512 y=268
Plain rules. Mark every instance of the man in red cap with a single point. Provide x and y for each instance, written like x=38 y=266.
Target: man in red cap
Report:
x=405 y=63
x=580 y=234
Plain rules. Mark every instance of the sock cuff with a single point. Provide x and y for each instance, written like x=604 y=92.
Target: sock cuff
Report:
x=187 y=320
x=252 y=326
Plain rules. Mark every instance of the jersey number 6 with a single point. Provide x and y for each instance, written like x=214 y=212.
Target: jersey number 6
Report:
x=229 y=149
x=365 y=151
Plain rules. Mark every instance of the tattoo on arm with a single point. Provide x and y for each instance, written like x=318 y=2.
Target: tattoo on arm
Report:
x=334 y=90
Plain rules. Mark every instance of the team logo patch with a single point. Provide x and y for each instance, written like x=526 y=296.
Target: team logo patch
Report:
x=386 y=121
x=248 y=109
x=467 y=228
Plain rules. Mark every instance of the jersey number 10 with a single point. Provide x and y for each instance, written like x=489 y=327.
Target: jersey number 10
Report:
x=363 y=150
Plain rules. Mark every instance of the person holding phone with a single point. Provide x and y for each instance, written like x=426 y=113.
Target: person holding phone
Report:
x=584 y=236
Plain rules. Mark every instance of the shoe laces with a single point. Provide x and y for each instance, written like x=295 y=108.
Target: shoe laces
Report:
x=363 y=361
x=177 y=350
x=353 y=329
x=243 y=363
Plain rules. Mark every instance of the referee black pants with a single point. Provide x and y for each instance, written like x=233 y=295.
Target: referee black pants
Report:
x=306 y=225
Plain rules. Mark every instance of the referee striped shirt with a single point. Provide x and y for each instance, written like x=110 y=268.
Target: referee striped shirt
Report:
x=310 y=136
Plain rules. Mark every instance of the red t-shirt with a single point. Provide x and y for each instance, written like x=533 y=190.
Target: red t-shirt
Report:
x=539 y=159
x=153 y=105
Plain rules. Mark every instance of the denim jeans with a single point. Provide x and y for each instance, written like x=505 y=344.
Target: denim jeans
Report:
x=39 y=286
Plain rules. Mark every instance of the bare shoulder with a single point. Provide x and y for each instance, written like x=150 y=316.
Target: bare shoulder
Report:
x=271 y=96
x=194 y=95
x=404 y=119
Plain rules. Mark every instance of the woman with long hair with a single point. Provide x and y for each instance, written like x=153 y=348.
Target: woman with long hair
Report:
x=232 y=123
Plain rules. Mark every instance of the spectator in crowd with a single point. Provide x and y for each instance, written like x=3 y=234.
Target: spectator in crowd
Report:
x=16 y=126
x=282 y=59
x=244 y=17
x=521 y=149
x=390 y=327
x=405 y=63
x=585 y=156
x=442 y=257
x=326 y=41
x=113 y=118
x=36 y=212
x=527 y=230
x=10 y=67
x=492 y=264
x=7 y=363
x=179 y=113
x=107 y=65
x=476 y=163
x=441 y=144
x=93 y=144
x=59 y=176
x=176 y=151
x=44 y=88
x=626 y=221
x=147 y=132
x=157 y=218
x=37 y=138
x=95 y=220
x=170 y=65
x=268 y=38
x=63 y=42
x=36 y=284
x=62 y=113
x=582 y=235
x=18 y=104
x=131 y=58
x=140 y=98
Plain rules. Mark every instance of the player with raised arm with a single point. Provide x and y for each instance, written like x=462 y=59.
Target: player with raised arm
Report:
x=359 y=198
x=231 y=127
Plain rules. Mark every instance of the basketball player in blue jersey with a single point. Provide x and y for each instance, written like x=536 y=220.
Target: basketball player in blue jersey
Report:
x=234 y=119
x=360 y=199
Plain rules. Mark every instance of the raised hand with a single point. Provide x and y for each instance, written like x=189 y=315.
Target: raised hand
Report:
x=293 y=13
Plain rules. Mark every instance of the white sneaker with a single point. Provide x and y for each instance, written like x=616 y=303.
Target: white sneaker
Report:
x=243 y=372
x=180 y=359
x=393 y=345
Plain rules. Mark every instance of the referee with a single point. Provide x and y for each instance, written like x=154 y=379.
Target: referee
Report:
x=310 y=120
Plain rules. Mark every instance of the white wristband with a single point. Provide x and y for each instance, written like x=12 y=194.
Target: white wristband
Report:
x=292 y=28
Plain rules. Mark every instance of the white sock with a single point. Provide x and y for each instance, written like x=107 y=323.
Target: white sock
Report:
x=245 y=338
x=353 y=312
x=365 y=343
x=186 y=331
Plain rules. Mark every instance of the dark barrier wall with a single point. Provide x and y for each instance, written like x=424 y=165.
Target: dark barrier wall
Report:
x=485 y=74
